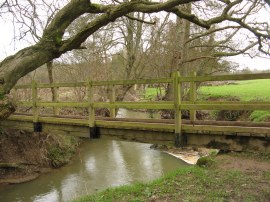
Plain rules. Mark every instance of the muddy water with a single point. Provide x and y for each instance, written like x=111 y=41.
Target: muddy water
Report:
x=100 y=164
x=124 y=113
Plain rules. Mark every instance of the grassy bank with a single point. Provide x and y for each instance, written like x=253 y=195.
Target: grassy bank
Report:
x=244 y=90
x=151 y=93
x=225 y=180
x=252 y=90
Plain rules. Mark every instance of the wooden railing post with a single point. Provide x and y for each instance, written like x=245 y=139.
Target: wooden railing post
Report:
x=56 y=110
x=15 y=94
x=112 y=100
x=180 y=139
x=177 y=113
x=91 y=111
x=193 y=97
x=37 y=125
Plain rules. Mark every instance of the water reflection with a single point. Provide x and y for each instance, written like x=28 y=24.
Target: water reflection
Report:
x=125 y=113
x=99 y=165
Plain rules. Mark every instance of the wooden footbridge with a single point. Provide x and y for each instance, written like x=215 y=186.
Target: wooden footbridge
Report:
x=222 y=134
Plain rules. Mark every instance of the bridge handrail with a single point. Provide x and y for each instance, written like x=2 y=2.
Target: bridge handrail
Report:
x=96 y=83
x=230 y=77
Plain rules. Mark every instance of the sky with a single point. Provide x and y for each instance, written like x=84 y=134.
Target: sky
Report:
x=9 y=47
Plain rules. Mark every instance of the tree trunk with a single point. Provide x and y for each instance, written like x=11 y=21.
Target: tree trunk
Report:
x=180 y=52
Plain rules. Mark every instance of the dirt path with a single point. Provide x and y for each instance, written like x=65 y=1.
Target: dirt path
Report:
x=243 y=163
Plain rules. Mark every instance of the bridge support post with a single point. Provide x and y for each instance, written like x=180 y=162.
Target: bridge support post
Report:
x=91 y=112
x=193 y=97
x=37 y=127
x=180 y=139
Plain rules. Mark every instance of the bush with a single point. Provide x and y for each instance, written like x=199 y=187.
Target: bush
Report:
x=260 y=116
x=205 y=161
x=231 y=115
x=61 y=149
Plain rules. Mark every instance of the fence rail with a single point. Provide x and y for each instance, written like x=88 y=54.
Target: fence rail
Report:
x=177 y=104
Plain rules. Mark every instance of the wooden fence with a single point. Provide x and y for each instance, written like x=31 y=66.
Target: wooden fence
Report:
x=177 y=104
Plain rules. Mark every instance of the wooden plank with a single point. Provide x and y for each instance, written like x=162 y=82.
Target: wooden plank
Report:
x=135 y=125
x=234 y=77
x=127 y=105
x=24 y=104
x=57 y=85
x=135 y=105
x=225 y=106
x=20 y=118
x=231 y=129
x=132 y=82
x=61 y=121
x=225 y=102
x=63 y=104
x=53 y=120
x=228 y=123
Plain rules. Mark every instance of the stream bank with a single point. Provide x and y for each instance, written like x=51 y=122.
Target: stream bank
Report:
x=24 y=155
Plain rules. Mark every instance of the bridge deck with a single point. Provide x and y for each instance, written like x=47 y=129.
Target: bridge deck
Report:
x=166 y=125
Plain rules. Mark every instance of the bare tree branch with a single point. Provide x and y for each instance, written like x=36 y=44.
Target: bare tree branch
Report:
x=139 y=20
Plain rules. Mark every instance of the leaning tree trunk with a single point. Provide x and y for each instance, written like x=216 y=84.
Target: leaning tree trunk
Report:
x=17 y=66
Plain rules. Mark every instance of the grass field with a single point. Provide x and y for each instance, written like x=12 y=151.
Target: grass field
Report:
x=244 y=90
x=252 y=90
x=151 y=93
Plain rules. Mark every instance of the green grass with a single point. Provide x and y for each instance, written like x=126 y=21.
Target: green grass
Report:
x=187 y=184
x=251 y=90
x=151 y=93
x=260 y=116
x=245 y=90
